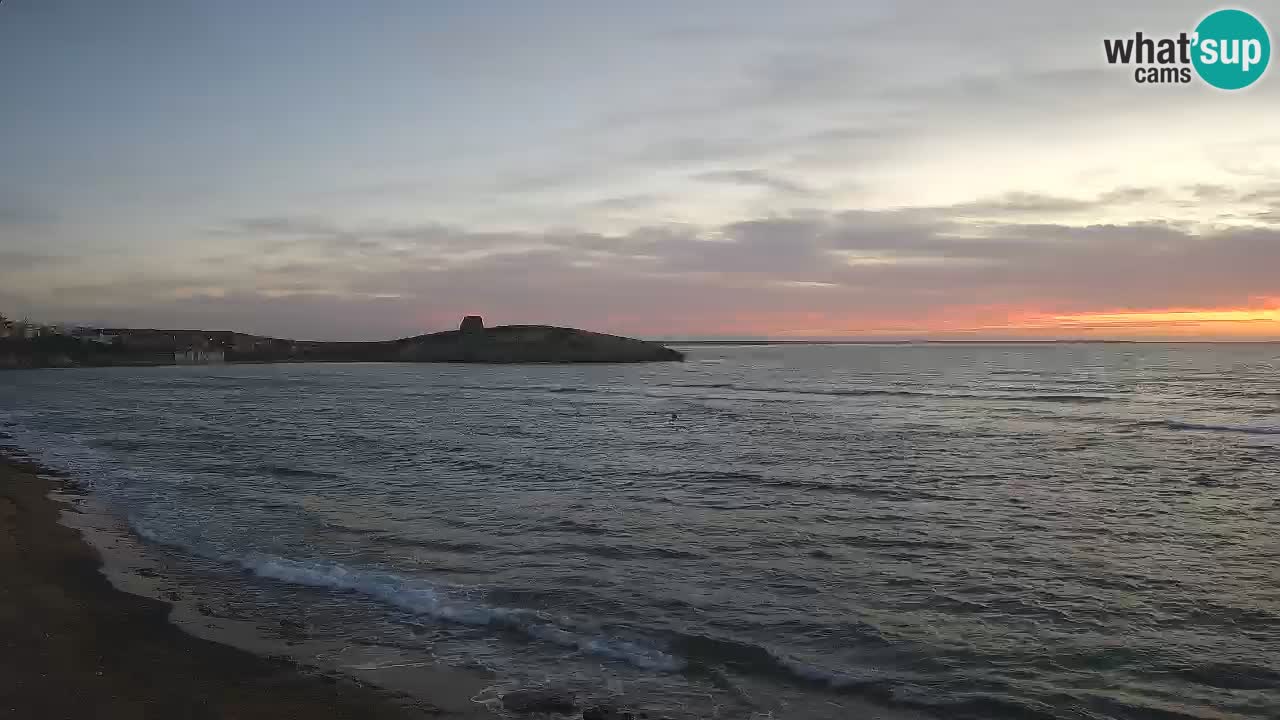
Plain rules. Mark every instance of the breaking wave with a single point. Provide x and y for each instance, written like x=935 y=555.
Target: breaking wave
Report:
x=425 y=599
x=422 y=598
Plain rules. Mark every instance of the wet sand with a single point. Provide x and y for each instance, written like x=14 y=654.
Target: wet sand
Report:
x=73 y=646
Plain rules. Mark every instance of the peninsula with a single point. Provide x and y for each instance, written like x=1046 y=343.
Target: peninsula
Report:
x=472 y=342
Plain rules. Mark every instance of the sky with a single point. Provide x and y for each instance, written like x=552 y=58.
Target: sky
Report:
x=327 y=169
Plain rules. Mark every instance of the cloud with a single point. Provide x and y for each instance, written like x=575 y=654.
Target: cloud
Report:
x=1268 y=194
x=626 y=203
x=317 y=239
x=754 y=178
x=907 y=270
x=1023 y=202
x=19 y=260
x=16 y=210
x=818 y=271
x=1205 y=191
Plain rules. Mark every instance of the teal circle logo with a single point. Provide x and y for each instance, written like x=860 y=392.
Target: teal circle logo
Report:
x=1232 y=49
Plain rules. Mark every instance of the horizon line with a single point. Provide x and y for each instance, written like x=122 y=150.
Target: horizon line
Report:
x=975 y=341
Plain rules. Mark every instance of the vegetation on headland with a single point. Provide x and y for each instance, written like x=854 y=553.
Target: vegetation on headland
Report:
x=66 y=351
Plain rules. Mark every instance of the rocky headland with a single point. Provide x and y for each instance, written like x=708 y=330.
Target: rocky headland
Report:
x=473 y=342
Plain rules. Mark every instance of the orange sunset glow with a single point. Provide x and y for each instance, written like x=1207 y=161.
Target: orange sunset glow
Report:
x=1238 y=324
x=1243 y=323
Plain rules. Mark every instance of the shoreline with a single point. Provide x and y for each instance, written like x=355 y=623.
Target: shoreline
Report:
x=96 y=622
x=76 y=645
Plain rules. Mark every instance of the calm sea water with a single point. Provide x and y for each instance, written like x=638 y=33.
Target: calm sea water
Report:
x=974 y=531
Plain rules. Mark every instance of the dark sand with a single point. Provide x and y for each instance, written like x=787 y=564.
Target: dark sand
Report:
x=73 y=646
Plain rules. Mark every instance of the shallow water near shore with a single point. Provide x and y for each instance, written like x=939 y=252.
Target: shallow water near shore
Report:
x=968 y=531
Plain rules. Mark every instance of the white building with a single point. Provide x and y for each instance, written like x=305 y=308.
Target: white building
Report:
x=193 y=356
x=94 y=335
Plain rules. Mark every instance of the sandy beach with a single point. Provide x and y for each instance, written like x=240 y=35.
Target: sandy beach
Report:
x=76 y=647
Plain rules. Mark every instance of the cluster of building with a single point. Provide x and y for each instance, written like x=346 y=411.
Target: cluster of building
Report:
x=22 y=329
x=28 y=330
x=185 y=347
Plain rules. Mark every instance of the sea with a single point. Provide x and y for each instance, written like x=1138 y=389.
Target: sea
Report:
x=1057 y=530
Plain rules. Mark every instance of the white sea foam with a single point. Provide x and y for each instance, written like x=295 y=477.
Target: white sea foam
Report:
x=812 y=673
x=148 y=533
x=62 y=452
x=415 y=596
x=422 y=598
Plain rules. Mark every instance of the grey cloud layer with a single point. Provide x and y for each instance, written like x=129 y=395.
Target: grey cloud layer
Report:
x=888 y=266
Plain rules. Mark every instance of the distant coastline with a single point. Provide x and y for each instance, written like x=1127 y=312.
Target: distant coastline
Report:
x=968 y=342
x=471 y=343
